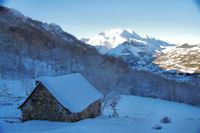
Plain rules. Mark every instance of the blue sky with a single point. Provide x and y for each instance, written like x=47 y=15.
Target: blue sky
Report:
x=175 y=21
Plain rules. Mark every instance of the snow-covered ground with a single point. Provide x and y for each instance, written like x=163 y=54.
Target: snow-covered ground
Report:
x=137 y=115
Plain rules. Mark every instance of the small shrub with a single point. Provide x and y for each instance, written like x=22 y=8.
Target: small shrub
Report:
x=157 y=127
x=126 y=116
x=114 y=106
x=165 y=120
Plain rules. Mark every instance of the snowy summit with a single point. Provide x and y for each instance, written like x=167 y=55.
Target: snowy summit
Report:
x=111 y=39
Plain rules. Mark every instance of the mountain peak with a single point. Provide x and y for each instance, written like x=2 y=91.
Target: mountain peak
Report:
x=118 y=31
x=112 y=38
x=126 y=33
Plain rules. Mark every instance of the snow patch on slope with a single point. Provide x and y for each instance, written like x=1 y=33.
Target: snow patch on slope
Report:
x=125 y=49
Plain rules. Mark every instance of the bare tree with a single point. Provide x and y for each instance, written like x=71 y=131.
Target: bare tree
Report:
x=28 y=85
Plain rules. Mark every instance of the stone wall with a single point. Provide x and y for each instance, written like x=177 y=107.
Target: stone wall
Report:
x=43 y=106
x=91 y=111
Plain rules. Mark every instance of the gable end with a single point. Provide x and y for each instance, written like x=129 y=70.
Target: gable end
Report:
x=30 y=95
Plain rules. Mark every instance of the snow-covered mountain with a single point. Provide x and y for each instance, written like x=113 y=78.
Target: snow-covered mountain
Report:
x=110 y=39
x=31 y=49
x=149 y=54
x=184 y=58
x=137 y=51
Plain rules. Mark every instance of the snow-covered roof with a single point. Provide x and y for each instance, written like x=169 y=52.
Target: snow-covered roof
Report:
x=73 y=91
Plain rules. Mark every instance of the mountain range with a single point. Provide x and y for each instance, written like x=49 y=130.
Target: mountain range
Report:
x=30 y=49
x=137 y=51
x=111 y=39
x=147 y=53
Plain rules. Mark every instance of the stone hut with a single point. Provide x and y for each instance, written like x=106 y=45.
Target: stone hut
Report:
x=67 y=98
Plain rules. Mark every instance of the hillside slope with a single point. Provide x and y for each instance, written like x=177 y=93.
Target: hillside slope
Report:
x=30 y=49
x=184 y=58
